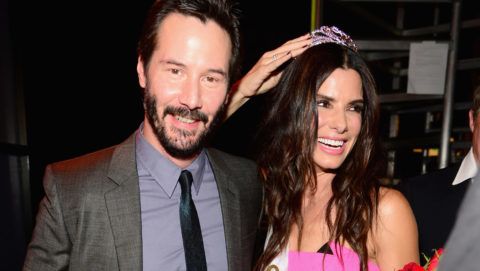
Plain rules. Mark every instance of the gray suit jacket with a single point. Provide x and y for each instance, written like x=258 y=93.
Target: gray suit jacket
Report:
x=462 y=250
x=90 y=216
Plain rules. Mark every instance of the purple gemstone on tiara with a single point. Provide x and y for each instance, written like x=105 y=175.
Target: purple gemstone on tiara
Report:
x=331 y=34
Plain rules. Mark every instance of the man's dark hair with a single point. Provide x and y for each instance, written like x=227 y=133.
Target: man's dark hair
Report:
x=223 y=12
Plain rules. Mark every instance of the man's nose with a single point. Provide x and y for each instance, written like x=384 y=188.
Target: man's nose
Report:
x=190 y=95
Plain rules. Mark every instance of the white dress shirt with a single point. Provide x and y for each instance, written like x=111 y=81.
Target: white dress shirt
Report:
x=468 y=169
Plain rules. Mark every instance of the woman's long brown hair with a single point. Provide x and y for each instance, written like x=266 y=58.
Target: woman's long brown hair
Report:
x=287 y=169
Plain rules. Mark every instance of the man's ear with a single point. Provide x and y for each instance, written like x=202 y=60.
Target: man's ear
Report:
x=471 y=119
x=141 y=73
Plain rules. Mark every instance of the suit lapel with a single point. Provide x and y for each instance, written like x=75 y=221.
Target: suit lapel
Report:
x=230 y=205
x=123 y=204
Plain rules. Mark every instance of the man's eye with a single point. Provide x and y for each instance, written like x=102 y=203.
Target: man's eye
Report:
x=211 y=79
x=175 y=71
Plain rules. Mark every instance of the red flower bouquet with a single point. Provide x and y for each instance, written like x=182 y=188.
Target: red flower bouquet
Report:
x=412 y=267
x=431 y=264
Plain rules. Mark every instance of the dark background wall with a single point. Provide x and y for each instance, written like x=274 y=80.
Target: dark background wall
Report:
x=76 y=63
x=80 y=78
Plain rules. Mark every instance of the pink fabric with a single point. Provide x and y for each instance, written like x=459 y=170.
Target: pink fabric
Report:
x=301 y=261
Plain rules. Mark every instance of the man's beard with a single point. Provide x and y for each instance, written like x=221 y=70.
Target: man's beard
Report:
x=174 y=145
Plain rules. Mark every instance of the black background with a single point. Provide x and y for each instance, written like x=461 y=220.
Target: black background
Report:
x=79 y=73
x=76 y=62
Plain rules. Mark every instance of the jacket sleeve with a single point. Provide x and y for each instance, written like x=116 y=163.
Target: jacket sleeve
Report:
x=50 y=246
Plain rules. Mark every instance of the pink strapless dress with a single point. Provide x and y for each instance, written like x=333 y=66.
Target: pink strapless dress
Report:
x=327 y=259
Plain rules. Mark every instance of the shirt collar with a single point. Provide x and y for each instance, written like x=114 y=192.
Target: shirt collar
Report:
x=468 y=169
x=164 y=171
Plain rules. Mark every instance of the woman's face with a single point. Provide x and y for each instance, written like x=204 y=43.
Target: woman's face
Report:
x=340 y=106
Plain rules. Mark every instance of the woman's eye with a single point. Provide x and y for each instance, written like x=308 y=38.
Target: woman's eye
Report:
x=356 y=108
x=323 y=103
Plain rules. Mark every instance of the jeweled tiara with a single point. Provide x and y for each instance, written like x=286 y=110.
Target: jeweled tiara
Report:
x=331 y=34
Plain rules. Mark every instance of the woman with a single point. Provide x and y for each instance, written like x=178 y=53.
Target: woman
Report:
x=324 y=205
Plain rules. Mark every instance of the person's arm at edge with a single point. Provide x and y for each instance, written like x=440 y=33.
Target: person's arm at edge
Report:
x=396 y=233
x=50 y=246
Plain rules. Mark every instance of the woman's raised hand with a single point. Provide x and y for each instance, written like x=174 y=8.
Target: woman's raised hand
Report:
x=264 y=75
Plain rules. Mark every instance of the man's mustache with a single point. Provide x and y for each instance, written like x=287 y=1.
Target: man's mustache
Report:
x=183 y=112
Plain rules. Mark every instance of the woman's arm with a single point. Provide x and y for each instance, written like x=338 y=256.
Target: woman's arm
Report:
x=395 y=234
x=264 y=74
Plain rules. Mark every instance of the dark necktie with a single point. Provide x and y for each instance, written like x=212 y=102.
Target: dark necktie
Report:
x=191 y=232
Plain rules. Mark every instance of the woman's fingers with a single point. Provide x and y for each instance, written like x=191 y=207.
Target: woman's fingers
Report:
x=299 y=39
x=278 y=58
x=264 y=75
x=297 y=44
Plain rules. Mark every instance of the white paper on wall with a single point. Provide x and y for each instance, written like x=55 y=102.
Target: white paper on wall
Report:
x=427 y=67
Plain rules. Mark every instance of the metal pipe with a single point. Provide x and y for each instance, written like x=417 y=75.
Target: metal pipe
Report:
x=316 y=15
x=449 y=85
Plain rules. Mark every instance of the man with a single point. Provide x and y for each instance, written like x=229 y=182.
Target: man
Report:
x=463 y=245
x=436 y=197
x=118 y=208
x=462 y=248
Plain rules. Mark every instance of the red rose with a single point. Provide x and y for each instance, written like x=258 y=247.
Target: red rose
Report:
x=412 y=267
x=433 y=263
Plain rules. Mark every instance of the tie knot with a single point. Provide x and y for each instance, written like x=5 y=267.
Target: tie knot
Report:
x=186 y=181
